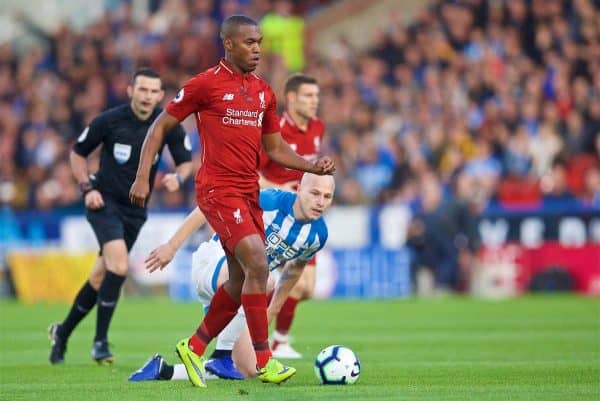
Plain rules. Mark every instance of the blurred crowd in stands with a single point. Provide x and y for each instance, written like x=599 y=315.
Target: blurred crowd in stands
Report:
x=470 y=102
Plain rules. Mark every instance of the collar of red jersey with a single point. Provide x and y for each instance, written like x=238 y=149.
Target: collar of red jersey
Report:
x=291 y=121
x=229 y=68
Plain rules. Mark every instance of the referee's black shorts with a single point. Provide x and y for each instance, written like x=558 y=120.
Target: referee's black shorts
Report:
x=116 y=221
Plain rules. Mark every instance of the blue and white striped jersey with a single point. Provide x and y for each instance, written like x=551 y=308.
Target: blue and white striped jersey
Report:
x=285 y=237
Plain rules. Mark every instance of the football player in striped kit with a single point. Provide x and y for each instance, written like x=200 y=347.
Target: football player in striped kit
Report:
x=294 y=230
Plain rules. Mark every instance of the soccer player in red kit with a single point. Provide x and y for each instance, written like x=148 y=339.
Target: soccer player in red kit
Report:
x=303 y=131
x=234 y=111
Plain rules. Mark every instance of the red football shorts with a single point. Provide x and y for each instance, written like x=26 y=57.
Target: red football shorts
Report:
x=233 y=218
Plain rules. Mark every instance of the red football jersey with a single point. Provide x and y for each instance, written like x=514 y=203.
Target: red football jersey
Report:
x=306 y=143
x=232 y=112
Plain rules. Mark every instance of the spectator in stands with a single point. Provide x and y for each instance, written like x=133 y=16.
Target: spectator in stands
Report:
x=517 y=75
x=431 y=235
x=555 y=191
x=283 y=35
x=591 y=191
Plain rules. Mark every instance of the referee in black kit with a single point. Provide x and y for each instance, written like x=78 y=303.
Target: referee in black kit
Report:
x=116 y=222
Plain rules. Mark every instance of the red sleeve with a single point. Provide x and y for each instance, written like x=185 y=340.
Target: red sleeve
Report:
x=270 y=122
x=192 y=97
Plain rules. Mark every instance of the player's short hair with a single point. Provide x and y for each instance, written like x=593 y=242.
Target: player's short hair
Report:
x=144 y=72
x=295 y=80
x=231 y=24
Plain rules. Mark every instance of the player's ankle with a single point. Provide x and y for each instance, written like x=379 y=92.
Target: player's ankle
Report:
x=166 y=372
x=196 y=345
x=280 y=338
x=221 y=353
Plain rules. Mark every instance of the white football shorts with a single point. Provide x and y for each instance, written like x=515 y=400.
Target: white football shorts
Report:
x=206 y=266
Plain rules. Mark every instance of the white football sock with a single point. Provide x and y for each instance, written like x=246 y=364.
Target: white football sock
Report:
x=179 y=372
x=280 y=337
x=231 y=332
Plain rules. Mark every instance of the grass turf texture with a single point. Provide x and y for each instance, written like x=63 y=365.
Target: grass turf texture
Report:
x=532 y=348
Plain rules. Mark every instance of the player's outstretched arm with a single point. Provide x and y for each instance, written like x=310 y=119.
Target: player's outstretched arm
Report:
x=163 y=254
x=280 y=152
x=154 y=138
x=289 y=277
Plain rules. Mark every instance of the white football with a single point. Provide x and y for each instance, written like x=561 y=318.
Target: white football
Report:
x=337 y=364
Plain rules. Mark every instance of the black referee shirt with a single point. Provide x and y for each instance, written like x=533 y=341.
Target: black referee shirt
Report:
x=122 y=134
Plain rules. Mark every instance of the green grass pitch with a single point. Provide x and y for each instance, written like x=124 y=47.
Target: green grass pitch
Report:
x=531 y=348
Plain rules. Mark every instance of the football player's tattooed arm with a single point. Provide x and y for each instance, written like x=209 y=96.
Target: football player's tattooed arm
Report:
x=289 y=277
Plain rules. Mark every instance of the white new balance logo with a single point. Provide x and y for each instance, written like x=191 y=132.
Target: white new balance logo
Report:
x=228 y=96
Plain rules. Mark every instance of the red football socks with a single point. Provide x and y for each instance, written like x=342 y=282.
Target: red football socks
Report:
x=286 y=315
x=220 y=312
x=255 y=306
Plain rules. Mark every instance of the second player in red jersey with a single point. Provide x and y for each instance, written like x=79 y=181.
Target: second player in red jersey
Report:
x=235 y=112
x=303 y=131
x=300 y=128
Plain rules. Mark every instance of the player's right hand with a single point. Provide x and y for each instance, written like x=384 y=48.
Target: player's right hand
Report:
x=93 y=200
x=324 y=165
x=160 y=257
x=139 y=192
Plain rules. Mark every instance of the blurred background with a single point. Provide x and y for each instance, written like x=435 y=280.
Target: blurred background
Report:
x=466 y=135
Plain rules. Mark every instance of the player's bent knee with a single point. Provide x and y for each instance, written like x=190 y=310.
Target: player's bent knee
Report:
x=257 y=264
x=246 y=363
x=95 y=279
x=97 y=274
x=119 y=269
x=255 y=267
x=115 y=256
x=117 y=266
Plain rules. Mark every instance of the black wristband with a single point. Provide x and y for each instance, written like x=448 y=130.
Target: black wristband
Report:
x=85 y=187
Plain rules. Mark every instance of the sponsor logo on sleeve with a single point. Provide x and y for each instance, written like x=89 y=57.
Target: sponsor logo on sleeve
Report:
x=179 y=96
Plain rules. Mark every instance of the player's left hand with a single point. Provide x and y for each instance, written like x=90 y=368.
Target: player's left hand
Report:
x=171 y=182
x=160 y=257
x=139 y=192
x=324 y=165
